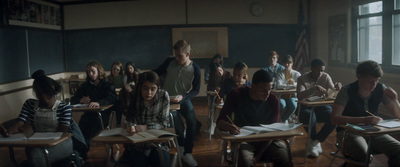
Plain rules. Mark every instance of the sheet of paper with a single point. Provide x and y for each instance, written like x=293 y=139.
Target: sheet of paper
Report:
x=390 y=123
x=13 y=137
x=112 y=132
x=45 y=135
x=80 y=105
x=281 y=126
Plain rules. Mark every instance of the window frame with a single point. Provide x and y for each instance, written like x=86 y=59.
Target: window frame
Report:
x=387 y=14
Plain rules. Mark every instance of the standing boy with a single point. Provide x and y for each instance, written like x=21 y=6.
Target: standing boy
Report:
x=316 y=83
x=352 y=105
x=182 y=80
x=251 y=107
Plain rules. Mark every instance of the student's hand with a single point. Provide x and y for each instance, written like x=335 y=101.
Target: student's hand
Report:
x=94 y=104
x=177 y=99
x=219 y=101
x=338 y=85
x=17 y=128
x=373 y=120
x=390 y=94
x=290 y=81
x=320 y=90
x=141 y=128
x=233 y=129
x=131 y=130
x=85 y=100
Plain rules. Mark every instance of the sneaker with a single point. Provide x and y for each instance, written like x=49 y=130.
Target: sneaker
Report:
x=189 y=160
x=213 y=128
x=314 y=150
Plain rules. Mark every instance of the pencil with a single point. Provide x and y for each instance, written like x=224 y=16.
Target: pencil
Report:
x=219 y=97
x=370 y=113
x=3 y=127
x=230 y=120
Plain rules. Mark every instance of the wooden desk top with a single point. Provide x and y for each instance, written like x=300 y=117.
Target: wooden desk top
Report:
x=174 y=106
x=36 y=143
x=93 y=109
x=284 y=91
x=316 y=103
x=263 y=136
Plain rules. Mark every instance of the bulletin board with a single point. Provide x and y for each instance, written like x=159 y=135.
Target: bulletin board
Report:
x=337 y=40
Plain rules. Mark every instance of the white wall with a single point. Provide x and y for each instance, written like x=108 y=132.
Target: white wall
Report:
x=172 y=12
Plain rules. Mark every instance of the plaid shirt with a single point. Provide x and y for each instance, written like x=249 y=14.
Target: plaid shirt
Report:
x=155 y=117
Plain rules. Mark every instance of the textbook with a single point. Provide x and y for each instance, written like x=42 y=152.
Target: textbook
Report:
x=363 y=127
x=13 y=137
x=390 y=123
x=138 y=137
x=249 y=130
x=46 y=136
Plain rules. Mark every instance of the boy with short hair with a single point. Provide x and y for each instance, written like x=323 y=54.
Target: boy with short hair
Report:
x=254 y=106
x=351 y=106
x=182 y=80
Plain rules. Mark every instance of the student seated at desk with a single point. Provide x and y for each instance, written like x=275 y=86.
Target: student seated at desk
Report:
x=149 y=109
x=130 y=80
x=316 y=83
x=46 y=114
x=96 y=91
x=285 y=78
x=239 y=79
x=217 y=76
x=254 y=106
x=218 y=58
x=274 y=67
x=352 y=105
x=116 y=77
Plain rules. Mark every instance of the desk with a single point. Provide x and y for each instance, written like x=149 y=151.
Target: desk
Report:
x=311 y=104
x=44 y=144
x=211 y=96
x=93 y=109
x=280 y=92
x=277 y=135
x=110 y=140
x=348 y=129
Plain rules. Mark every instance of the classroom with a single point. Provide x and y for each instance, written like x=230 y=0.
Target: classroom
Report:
x=145 y=31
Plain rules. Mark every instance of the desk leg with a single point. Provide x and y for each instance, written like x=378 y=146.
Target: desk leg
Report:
x=289 y=151
x=46 y=155
x=368 y=153
x=161 y=154
x=235 y=157
x=12 y=156
x=309 y=133
x=101 y=120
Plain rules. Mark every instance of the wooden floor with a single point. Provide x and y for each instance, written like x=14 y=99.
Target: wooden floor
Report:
x=207 y=153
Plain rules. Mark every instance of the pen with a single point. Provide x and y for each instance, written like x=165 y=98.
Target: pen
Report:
x=219 y=97
x=370 y=113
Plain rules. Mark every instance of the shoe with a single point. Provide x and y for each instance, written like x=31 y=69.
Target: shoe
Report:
x=314 y=150
x=213 y=128
x=189 y=160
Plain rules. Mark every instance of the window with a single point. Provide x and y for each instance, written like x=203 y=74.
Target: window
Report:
x=377 y=24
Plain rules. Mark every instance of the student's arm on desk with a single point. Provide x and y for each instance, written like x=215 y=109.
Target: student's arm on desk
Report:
x=110 y=96
x=301 y=90
x=338 y=119
x=394 y=105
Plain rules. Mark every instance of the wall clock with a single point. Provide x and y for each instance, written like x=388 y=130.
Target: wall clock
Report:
x=256 y=9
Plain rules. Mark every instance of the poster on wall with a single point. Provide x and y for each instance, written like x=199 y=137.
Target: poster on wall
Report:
x=34 y=13
x=337 y=40
x=205 y=41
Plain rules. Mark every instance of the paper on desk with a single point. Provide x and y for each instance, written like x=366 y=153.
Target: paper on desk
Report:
x=13 y=137
x=113 y=132
x=392 y=123
x=281 y=126
x=46 y=136
x=80 y=105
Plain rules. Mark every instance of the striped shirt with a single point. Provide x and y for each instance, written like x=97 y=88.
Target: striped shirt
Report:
x=28 y=112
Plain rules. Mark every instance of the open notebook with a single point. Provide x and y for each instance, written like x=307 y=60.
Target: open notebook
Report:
x=332 y=93
x=35 y=136
x=137 y=137
x=249 y=130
